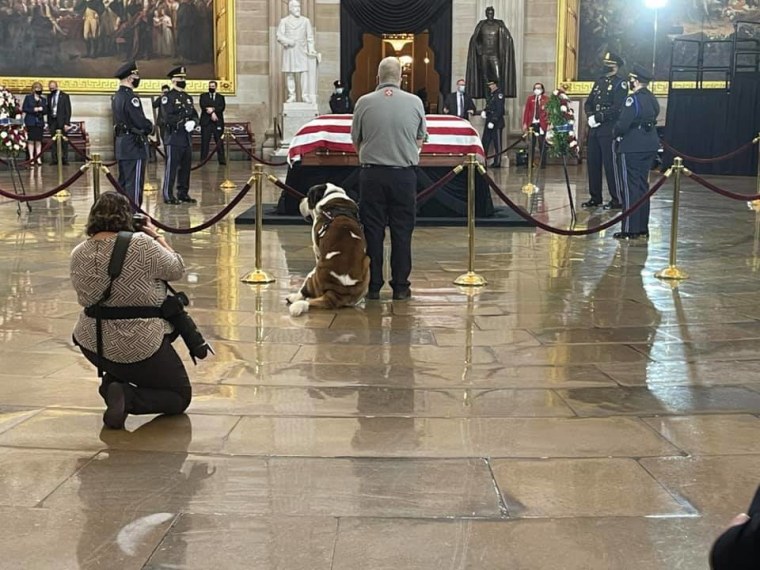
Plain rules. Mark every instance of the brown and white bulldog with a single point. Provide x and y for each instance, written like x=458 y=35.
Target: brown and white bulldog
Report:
x=341 y=276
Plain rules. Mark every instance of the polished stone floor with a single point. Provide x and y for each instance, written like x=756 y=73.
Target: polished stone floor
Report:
x=576 y=413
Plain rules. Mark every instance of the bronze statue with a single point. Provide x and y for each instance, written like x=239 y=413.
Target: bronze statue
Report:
x=491 y=56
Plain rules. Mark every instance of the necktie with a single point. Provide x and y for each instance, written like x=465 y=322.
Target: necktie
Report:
x=460 y=109
x=535 y=112
x=213 y=96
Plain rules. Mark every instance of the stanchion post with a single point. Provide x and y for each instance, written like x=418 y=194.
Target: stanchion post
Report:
x=471 y=279
x=672 y=271
x=529 y=187
x=96 y=167
x=58 y=138
x=258 y=276
x=148 y=186
x=757 y=182
x=227 y=184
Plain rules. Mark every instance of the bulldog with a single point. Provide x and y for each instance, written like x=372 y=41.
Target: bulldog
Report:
x=341 y=275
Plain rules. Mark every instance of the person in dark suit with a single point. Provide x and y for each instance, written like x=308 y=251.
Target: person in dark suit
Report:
x=34 y=108
x=459 y=103
x=494 y=116
x=212 y=121
x=340 y=102
x=59 y=118
x=160 y=120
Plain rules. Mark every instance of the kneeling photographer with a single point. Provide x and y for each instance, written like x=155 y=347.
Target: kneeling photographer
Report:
x=130 y=320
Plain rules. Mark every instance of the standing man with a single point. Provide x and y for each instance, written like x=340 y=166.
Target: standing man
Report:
x=459 y=103
x=388 y=131
x=131 y=130
x=494 y=116
x=602 y=109
x=59 y=118
x=636 y=129
x=212 y=121
x=181 y=118
x=159 y=114
x=340 y=102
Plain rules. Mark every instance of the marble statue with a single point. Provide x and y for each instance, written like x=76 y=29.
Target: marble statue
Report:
x=299 y=56
x=491 y=56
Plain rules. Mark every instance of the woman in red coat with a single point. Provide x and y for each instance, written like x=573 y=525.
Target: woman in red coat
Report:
x=534 y=116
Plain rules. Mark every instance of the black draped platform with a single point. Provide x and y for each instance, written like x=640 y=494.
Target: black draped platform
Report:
x=706 y=123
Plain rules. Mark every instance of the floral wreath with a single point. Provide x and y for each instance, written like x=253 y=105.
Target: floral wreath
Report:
x=560 y=136
x=12 y=131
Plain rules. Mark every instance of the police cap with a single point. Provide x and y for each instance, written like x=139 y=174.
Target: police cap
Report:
x=491 y=82
x=179 y=71
x=613 y=58
x=126 y=70
x=338 y=83
x=641 y=73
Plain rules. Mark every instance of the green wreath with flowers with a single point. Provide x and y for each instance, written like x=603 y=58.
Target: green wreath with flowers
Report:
x=560 y=136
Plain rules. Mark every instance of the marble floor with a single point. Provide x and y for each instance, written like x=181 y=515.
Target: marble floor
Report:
x=576 y=413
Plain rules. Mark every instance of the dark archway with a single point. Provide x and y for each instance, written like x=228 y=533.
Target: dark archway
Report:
x=358 y=17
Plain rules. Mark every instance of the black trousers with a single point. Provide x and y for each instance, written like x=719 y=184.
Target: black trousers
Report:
x=388 y=197
x=64 y=145
x=212 y=130
x=601 y=154
x=538 y=146
x=156 y=385
x=178 y=162
x=132 y=178
x=632 y=172
x=493 y=136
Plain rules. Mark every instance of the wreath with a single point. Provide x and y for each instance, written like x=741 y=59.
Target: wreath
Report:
x=12 y=130
x=560 y=136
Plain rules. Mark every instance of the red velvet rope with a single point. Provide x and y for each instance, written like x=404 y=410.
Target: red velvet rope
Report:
x=191 y=230
x=203 y=162
x=48 y=194
x=256 y=158
x=289 y=189
x=29 y=161
x=429 y=191
x=506 y=150
x=83 y=154
x=524 y=215
x=727 y=193
x=733 y=153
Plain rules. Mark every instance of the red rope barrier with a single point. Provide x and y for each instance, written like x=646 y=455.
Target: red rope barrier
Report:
x=524 y=215
x=427 y=193
x=48 y=194
x=29 y=161
x=289 y=189
x=203 y=162
x=727 y=193
x=191 y=230
x=84 y=156
x=708 y=160
x=506 y=150
x=256 y=158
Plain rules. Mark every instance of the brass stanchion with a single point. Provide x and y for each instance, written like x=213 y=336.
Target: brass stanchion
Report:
x=227 y=184
x=148 y=186
x=755 y=204
x=529 y=187
x=58 y=138
x=471 y=279
x=672 y=271
x=96 y=167
x=258 y=276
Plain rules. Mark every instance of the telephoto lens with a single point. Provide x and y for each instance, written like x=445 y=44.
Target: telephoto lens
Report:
x=138 y=221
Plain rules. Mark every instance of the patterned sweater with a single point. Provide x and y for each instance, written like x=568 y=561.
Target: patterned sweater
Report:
x=140 y=284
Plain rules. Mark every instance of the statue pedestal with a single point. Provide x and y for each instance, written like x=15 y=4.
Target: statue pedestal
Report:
x=294 y=116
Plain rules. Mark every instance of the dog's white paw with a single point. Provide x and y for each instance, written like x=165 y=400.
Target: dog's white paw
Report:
x=298 y=308
x=293 y=297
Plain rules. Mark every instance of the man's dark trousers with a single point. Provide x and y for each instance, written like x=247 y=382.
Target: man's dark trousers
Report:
x=492 y=137
x=600 y=154
x=132 y=178
x=178 y=162
x=212 y=130
x=388 y=198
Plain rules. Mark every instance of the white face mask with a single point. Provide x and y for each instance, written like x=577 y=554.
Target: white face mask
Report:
x=460 y=88
x=538 y=91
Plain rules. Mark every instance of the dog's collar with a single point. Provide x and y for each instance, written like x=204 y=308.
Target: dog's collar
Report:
x=329 y=213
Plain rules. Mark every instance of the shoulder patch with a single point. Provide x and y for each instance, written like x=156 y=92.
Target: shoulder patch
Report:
x=624 y=85
x=135 y=102
x=629 y=101
x=164 y=100
x=501 y=95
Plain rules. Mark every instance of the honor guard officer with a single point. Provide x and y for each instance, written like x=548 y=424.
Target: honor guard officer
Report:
x=602 y=110
x=494 y=116
x=131 y=129
x=181 y=117
x=636 y=131
x=340 y=102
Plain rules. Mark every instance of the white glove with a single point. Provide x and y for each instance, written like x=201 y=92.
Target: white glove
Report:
x=490 y=125
x=592 y=122
x=190 y=126
x=483 y=114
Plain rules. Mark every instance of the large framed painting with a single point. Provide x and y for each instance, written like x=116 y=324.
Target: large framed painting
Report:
x=643 y=32
x=81 y=43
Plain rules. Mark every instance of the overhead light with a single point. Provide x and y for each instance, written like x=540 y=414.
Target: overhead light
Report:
x=655 y=4
x=426 y=60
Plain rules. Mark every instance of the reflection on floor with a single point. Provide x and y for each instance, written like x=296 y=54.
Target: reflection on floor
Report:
x=576 y=413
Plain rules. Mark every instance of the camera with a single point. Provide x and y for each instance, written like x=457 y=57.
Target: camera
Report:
x=139 y=221
x=173 y=310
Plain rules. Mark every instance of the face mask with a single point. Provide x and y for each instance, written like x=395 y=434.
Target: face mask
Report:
x=212 y=89
x=52 y=91
x=538 y=91
x=38 y=92
x=181 y=84
x=609 y=68
x=135 y=82
x=460 y=88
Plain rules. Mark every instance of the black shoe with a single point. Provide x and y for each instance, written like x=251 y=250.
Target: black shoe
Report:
x=116 y=402
x=373 y=295
x=222 y=164
x=625 y=235
x=613 y=205
x=188 y=200
x=402 y=294
x=496 y=165
x=65 y=163
x=591 y=204
x=171 y=200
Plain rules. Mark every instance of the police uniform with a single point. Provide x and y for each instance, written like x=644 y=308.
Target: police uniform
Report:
x=340 y=103
x=131 y=129
x=494 y=115
x=636 y=130
x=180 y=117
x=602 y=109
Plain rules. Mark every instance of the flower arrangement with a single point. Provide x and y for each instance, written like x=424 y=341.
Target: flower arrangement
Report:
x=12 y=130
x=561 y=133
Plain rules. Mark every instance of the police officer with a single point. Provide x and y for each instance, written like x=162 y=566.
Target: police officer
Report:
x=340 y=102
x=181 y=117
x=636 y=131
x=131 y=129
x=494 y=116
x=602 y=109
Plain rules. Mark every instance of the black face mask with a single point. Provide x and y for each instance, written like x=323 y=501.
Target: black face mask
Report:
x=181 y=84
x=212 y=89
x=135 y=82
x=38 y=92
x=609 y=68
x=53 y=91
